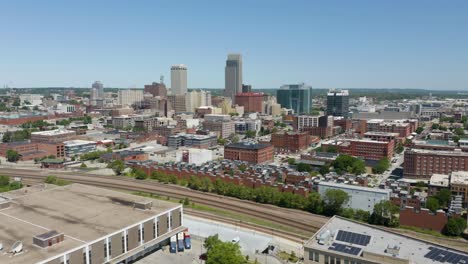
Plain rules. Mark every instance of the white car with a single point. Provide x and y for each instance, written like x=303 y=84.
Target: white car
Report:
x=235 y=240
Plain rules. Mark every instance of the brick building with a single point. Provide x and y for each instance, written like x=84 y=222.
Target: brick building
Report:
x=253 y=153
x=52 y=136
x=292 y=141
x=379 y=125
x=421 y=163
x=223 y=128
x=31 y=150
x=252 y=102
x=423 y=219
x=367 y=149
x=156 y=89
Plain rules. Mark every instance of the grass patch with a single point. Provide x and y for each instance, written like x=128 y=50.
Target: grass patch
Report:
x=424 y=231
x=220 y=212
x=291 y=257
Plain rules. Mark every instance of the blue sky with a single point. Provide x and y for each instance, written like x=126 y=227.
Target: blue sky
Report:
x=366 y=44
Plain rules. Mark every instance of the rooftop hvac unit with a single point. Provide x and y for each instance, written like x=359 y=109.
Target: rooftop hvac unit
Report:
x=324 y=237
x=17 y=247
x=1 y=246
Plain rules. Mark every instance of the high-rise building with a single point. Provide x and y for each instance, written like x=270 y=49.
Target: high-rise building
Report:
x=99 y=90
x=297 y=97
x=195 y=99
x=179 y=79
x=338 y=103
x=156 y=89
x=233 y=76
x=252 y=102
x=129 y=97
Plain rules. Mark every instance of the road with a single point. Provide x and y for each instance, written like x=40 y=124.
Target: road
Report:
x=305 y=222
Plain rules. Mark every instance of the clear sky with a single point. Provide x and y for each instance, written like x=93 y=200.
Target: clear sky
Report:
x=361 y=44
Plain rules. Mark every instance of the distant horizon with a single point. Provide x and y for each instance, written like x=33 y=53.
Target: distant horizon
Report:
x=363 y=43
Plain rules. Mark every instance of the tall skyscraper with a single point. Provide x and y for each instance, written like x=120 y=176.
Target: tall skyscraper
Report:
x=338 y=103
x=98 y=88
x=295 y=96
x=179 y=79
x=233 y=76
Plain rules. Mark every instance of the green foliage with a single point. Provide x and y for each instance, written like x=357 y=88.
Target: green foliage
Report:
x=381 y=166
x=117 y=166
x=291 y=161
x=139 y=174
x=219 y=252
x=444 y=197
x=399 y=148
x=459 y=131
x=385 y=214
x=332 y=149
x=304 y=167
x=242 y=167
x=346 y=163
x=12 y=155
x=20 y=135
x=432 y=204
x=221 y=141
x=54 y=180
x=334 y=200
x=4 y=180
x=419 y=130
x=93 y=155
x=314 y=203
x=35 y=124
x=324 y=169
x=16 y=185
x=435 y=126
x=235 y=139
x=250 y=134
x=83 y=165
x=455 y=226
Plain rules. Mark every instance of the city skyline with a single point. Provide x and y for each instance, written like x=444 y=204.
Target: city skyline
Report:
x=330 y=44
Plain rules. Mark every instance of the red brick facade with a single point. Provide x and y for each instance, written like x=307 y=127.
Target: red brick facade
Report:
x=260 y=153
x=422 y=163
x=292 y=141
x=252 y=102
x=423 y=219
x=367 y=149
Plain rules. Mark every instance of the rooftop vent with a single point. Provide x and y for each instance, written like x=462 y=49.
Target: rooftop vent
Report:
x=48 y=239
x=394 y=250
x=17 y=247
x=143 y=205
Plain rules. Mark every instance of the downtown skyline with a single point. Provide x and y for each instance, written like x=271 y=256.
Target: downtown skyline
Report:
x=324 y=44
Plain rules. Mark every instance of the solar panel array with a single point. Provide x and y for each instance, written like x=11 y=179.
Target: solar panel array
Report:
x=353 y=238
x=345 y=249
x=442 y=255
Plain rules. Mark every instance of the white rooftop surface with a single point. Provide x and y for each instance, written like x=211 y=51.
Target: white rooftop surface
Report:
x=459 y=177
x=354 y=187
x=410 y=249
x=77 y=142
x=52 y=132
x=439 y=180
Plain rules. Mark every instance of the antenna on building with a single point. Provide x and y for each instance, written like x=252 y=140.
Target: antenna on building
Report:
x=161 y=79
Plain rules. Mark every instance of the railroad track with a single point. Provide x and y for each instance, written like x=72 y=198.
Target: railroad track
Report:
x=304 y=222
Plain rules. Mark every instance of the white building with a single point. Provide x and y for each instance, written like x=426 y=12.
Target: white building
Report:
x=195 y=99
x=64 y=108
x=179 y=79
x=78 y=147
x=130 y=96
x=363 y=198
x=31 y=99
x=194 y=155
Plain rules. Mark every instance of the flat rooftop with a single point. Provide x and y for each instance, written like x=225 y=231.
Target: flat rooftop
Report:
x=247 y=146
x=53 y=132
x=83 y=213
x=353 y=187
x=377 y=241
x=78 y=142
x=456 y=152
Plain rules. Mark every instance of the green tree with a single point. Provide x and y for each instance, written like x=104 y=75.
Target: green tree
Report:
x=332 y=149
x=4 y=180
x=291 y=161
x=334 y=200
x=399 y=148
x=83 y=165
x=12 y=155
x=455 y=226
x=346 y=163
x=117 y=166
x=139 y=174
x=419 y=130
x=16 y=185
x=381 y=166
x=304 y=167
x=385 y=214
x=444 y=197
x=435 y=126
x=242 y=167
x=459 y=131
x=250 y=134
x=235 y=139
x=314 y=203
x=324 y=169
x=432 y=204
x=221 y=141
x=219 y=252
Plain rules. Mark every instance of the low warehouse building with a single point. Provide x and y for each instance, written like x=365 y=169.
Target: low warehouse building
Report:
x=81 y=224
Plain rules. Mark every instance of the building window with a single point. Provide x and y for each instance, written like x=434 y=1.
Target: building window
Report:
x=327 y=259
x=110 y=248
x=317 y=257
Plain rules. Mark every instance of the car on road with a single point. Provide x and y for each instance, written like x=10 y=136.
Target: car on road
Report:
x=235 y=240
